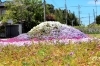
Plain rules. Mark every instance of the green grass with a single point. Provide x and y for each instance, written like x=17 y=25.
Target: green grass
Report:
x=83 y=54
x=94 y=35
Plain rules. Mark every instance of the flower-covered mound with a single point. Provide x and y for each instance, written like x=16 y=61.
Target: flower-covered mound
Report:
x=55 y=30
x=48 y=31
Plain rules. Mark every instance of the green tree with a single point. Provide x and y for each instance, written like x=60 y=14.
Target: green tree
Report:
x=98 y=19
x=29 y=11
x=59 y=15
x=71 y=18
x=49 y=9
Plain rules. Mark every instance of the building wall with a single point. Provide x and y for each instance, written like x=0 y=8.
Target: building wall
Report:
x=2 y=11
x=2 y=8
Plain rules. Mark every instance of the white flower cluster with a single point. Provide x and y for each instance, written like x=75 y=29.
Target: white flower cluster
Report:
x=55 y=30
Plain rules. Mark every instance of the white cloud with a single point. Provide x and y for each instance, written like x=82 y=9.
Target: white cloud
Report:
x=93 y=2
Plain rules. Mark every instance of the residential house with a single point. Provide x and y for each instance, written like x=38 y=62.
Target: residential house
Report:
x=2 y=8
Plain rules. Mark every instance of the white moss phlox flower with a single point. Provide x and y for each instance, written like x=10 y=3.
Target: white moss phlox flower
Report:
x=55 y=30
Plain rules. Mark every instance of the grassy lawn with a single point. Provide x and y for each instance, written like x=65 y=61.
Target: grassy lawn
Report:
x=84 y=54
x=94 y=35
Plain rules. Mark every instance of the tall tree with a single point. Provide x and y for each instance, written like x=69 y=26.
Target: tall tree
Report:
x=71 y=18
x=98 y=19
x=49 y=8
x=59 y=15
x=29 y=11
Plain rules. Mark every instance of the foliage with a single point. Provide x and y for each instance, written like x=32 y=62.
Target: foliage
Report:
x=71 y=18
x=60 y=14
x=98 y=19
x=7 y=16
x=92 y=29
x=29 y=11
x=49 y=9
x=84 y=54
x=1 y=17
x=94 y=35
x=2 y=29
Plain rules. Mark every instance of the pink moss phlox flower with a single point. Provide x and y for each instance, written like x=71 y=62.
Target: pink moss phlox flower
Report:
x=71 y=53
x=48 y=31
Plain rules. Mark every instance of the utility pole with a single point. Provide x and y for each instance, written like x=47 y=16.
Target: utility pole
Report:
x=72 y=22
x=96 y=7
x=66 y=11
x=44 y=10
x=79 y=13
x=89 y=18
x=94 y=16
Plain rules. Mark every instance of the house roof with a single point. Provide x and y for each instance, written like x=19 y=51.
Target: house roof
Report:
x=2 y=3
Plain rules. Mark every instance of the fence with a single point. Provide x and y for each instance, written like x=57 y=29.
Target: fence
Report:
x=10 y=31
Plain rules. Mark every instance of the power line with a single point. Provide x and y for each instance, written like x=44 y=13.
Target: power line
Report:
x=96 y=6
x=55 y=3
x=84 y=6
x=87 y=16
x=89 y=6
x=94 y=13
x=78 y=12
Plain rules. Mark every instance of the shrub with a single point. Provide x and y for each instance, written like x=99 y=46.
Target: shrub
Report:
x=93 y=29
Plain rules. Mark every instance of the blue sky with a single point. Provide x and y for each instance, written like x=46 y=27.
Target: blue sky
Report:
x=84 y=11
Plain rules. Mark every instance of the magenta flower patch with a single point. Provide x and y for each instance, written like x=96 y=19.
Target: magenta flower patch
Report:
x=47 y=31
